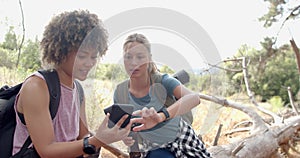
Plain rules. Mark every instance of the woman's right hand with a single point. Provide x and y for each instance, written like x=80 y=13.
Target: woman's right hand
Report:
x=109 y=135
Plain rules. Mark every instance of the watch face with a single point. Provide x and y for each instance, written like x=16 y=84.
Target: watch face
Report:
x=89 y=149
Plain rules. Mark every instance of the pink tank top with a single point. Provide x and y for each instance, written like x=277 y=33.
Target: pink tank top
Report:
x=65 y=123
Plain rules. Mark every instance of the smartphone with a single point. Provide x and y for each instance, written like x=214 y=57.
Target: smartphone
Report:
x=117 y=111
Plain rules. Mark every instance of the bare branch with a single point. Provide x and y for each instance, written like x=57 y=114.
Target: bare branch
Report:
x=118 y=153
x=292 y=100
x=276 y=118
x=226 y=69
x=23 y=36
x=245 y=129
x=247 y=122
x=238 y=148
x=218 y=135
x=258 y=122
x=290 y=16
x=296 y=51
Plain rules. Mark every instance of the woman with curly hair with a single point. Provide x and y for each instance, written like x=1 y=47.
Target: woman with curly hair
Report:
x=72 y=42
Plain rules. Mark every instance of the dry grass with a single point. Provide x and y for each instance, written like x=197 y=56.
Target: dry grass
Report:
x=10 y=77
x=207 y=116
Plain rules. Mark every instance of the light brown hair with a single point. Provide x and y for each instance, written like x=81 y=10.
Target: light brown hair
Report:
x=140 y=38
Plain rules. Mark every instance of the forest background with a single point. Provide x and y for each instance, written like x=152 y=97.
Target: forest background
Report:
x=272 y=70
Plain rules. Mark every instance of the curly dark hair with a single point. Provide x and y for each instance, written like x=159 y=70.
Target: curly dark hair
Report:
x=70 y=31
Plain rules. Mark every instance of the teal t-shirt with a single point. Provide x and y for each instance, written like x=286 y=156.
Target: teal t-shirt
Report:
x=168 y=82
x=166 y=131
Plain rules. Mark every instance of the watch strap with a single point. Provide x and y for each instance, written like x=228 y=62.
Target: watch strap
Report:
x=165 y=112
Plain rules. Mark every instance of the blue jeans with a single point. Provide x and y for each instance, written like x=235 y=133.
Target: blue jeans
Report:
x=161 y=152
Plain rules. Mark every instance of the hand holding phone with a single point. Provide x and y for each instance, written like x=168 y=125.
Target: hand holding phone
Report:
x=116 y=112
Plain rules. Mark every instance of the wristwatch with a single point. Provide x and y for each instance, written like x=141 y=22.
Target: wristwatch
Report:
x=165 y=112
x=88 y=148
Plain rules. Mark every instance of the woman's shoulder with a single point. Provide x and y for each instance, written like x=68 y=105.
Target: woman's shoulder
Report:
x=160 y=77
x=168 y=78
x=33 y=85
x=34 y=80
x=33 y=93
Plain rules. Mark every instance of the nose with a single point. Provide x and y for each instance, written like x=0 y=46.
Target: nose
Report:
x=90 y=62
x=134 y=61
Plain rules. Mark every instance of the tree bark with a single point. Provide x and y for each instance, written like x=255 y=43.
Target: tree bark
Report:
x=23 y=35
x=297 y=54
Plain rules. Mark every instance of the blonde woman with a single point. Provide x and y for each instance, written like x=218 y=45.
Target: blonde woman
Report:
x=163 y=132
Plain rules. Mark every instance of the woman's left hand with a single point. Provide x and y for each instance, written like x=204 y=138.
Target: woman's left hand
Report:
x=148 y=119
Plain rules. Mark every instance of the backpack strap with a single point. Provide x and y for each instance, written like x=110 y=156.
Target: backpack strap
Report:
x=53 y=84
x=157 y=78
x=122 y=92
x=80 y=91
x=23 y=150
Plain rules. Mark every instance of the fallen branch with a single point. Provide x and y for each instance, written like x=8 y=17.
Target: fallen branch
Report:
x=294 y=149
x=118 y=153
x=258 y=122
x=245 y=129
x=270 y=138
x=275 y=117
x=244 y=123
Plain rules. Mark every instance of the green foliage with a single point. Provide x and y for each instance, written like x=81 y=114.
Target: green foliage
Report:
x=209 y=81
x=276 y=103
x=281 y=73
x=279 y=9
x=30 y=57
x=114 y=72
x=198 y=83
x=8 y=49
x=166 y=69
x=270 y=70
x=7 y=58
x=10 y=41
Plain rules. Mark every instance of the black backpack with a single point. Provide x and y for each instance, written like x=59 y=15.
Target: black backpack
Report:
x=8 y=116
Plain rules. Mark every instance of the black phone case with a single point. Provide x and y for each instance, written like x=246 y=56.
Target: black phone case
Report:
x=116 y=112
